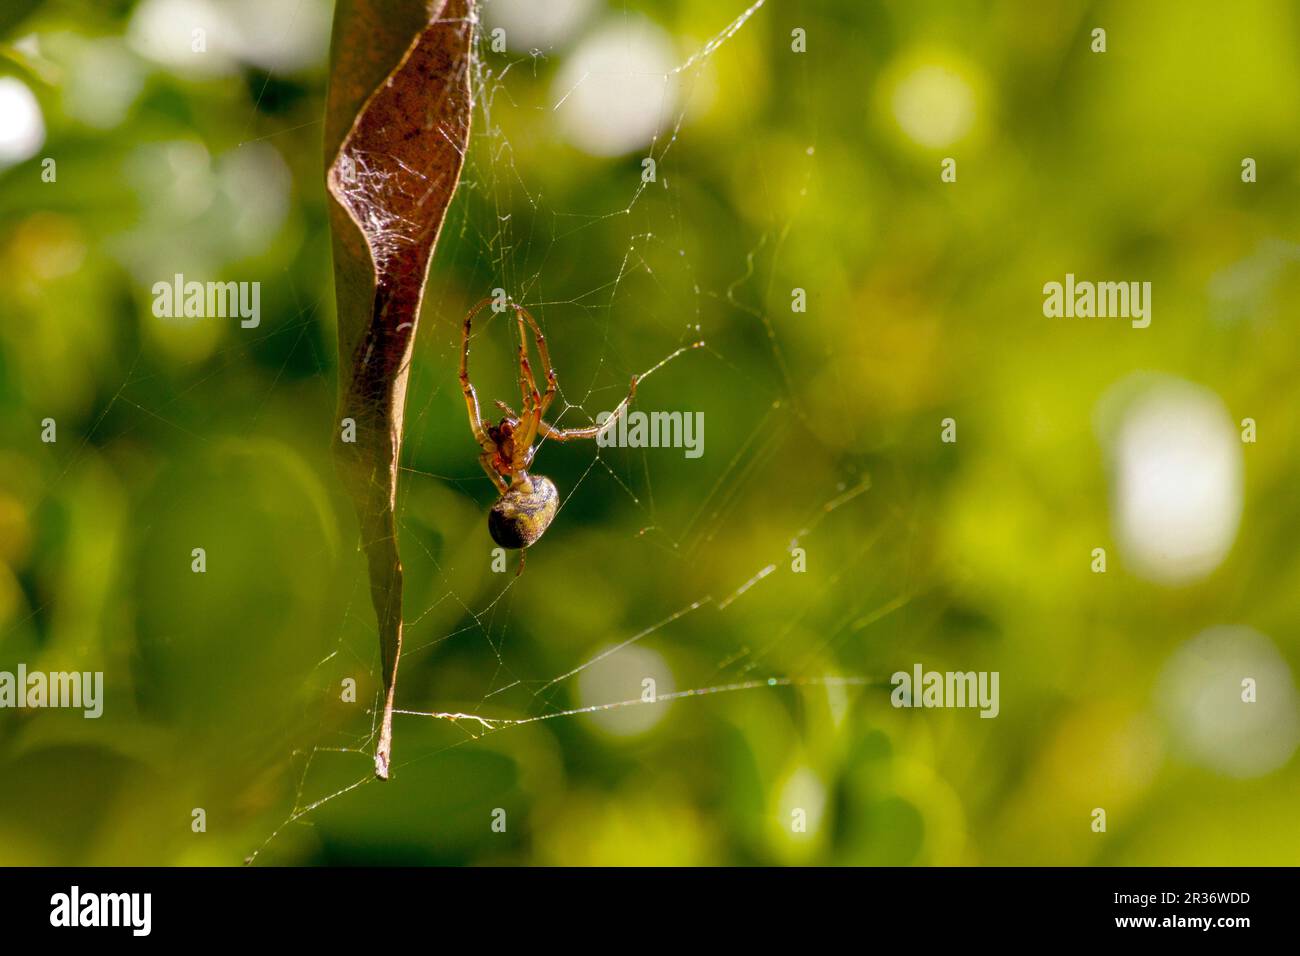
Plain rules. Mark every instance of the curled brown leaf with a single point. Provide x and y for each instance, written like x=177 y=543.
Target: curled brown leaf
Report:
x=396 y=130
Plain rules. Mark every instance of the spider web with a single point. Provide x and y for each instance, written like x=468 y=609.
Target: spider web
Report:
x=505 y=230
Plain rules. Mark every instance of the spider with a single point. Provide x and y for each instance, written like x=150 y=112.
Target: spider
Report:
x=528 y=502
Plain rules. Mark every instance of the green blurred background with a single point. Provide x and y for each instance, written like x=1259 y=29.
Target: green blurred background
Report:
x=775 y=170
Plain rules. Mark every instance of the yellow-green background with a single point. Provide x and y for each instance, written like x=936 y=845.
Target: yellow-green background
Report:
x=924 y=302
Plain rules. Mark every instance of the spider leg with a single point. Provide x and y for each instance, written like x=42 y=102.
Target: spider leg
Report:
x=471 y=397
x=552 y=383
x=498 y=479
x=550 y=432
x=531 y=410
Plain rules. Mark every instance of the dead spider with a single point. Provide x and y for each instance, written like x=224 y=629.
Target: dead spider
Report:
x=528 y=502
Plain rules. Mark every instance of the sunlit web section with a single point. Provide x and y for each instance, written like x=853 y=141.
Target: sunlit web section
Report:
x=509 y=247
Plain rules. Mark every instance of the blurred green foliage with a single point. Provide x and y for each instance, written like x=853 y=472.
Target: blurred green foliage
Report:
x=776 y=170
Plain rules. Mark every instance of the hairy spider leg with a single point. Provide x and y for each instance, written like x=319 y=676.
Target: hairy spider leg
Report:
x=532 y=404
x=547 y=430
x=552 y=382
x=488 y=453
x=466 y=387
x=486 y=461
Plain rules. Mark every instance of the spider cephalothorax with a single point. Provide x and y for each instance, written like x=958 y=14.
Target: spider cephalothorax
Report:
x=528 y=502
x=502 y=436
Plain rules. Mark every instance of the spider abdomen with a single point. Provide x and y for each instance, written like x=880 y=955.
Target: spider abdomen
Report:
x=525 y=511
